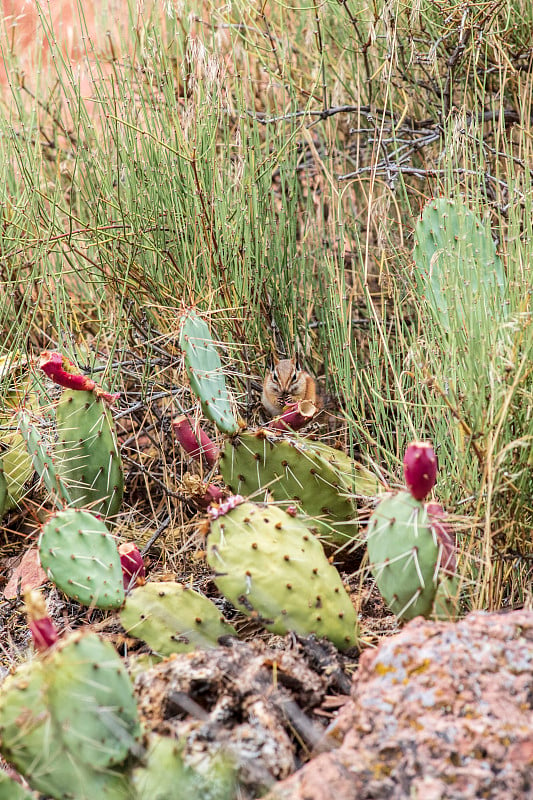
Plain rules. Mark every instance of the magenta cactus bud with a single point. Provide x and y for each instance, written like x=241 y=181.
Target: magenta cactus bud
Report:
x=63 y=372
x=420 y=469
x=445 y=537
x=294 y=417
x=43 y=630
x=131 y=561
x=212 y=494
x=195 y=443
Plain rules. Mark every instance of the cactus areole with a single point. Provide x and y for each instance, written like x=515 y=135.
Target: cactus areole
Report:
x=420 y=469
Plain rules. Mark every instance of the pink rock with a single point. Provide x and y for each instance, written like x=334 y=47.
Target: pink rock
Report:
x=440 y=711
x=29 y=572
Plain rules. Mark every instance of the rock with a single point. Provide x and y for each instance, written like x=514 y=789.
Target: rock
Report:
x=441 y=711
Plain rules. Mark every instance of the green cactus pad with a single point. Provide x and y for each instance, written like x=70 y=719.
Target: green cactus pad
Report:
x=404 y=555
x=88 y=458
x=81 y=557
x=172 y=618
x=44 y=708
x=43 y=460
x=165 y=770
x=92 y=683
x=271 y=568
x=11 y=790
x=18 y=468
x=457 y=269
x=322 y=481
x=205 y=372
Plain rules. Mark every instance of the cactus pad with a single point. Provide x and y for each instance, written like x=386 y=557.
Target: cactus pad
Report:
x=273 y=569
x=172 y=618
x=457 y=269
x=404 y=555
x=88 y=459
x=318 y=478
x=68 y=719
x=81 y=557
x=205 y=372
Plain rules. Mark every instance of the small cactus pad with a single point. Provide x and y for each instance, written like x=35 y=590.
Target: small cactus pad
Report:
x=172 y=618
x=44 y=462
x=205 y=372
x=457 y=269
x=88 y=458
x=81 y=557
x=323 y=481
x=69 y=718
x=18 y=468
x=420 y=469
x=404 y=555
x=274 y=570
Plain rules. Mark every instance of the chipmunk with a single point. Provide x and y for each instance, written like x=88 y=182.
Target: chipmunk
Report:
x=286 y=383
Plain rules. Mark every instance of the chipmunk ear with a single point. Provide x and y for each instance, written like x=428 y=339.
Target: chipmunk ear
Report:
x=296 y=362
x=274 y=360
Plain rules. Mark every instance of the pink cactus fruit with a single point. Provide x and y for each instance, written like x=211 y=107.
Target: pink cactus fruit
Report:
x=196 y=443
x=131 y=561
x=65 y=373
x=219 y=509
x=420 y=469
x=294 y=417
x=445 y=537
x=43 y=630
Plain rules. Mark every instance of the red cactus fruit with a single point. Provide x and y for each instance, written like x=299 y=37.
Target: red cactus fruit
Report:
x=63 y=372
x=195 y=443
x=131 y=561
x=445 y=536
x=420 y=469
x=295 y=416
x=43 y=630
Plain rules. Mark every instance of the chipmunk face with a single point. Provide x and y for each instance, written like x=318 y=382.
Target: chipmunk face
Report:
x=284 y=384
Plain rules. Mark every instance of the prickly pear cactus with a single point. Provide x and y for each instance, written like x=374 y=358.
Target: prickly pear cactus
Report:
x=273 y=569
x=321 y=480
x=18 y=468
x=165 y=770
x=88 y=458
x=81 y=557
x=172 y=618
x=68 y=721
x=10 y=790
x=205 y=372
x=44 y=462
x=457 y=269
x=404 y=555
